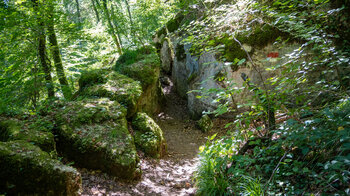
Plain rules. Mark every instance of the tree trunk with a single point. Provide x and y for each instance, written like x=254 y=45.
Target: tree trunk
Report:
x=111 y=28
x=42 y=54
x=55 y=52
x=78 y=12
x=115 y=24
x=133 y=31
x=95 y=10
x=45 y=65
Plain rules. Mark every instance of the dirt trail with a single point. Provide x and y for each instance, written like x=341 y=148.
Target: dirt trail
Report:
x=171 y=175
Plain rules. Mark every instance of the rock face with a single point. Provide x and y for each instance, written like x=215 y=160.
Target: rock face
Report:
x=112 y=85
x=148 y=136
x=165 y=56
x=15 y=130
x=145 y=68
x=26 y=169
x=194 y=68
x=93 y=133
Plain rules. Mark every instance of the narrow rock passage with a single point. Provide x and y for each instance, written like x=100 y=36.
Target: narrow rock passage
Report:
x=171 y=175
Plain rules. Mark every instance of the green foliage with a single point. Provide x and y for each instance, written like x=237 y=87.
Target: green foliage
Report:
x=309 y=157
x=141 y=64
x=307 y=154
x=92 y=77
x=83 y=40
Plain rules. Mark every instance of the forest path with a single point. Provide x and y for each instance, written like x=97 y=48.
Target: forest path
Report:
x=171 y=175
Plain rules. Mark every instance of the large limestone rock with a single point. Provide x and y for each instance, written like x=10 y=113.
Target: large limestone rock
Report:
x=166 y=56
x=148 y=135
x=14 y=129
x=93 y=133
x=115 y=86
x=145 y=68
x=195 y=67
x=27 y=170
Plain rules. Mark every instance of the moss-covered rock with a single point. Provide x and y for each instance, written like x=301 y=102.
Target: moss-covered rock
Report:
x=93 y=77
x=173 y=24
x=26 y=169
x=148 y=135
x=94 y=134
x=258 y=37
x=89 y=111
x=32 y=132
x=146 y=70
x=117 y=87
x=205 y=123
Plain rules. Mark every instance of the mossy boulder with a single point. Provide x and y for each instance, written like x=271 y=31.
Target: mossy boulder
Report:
x=116 y=87
x=89 y=111
x=205 y=123
x=257 y=37
x=175 y=23
x=33 y=132
x=148 y=136
x=93 y=77
x=145 y=69
x=27 y=170
x=93 y=133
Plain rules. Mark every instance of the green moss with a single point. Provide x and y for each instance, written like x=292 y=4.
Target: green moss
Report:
x=132 y=56
x=174 y=24
x=232 y=49
x=192 y=77
x=148 y=135
x=118 y=88
x=17 y=130
x=92 y=77
x=162 y=31
x=148 y=142
x=93 y=133
x=205 y=123
x=105 y=146
x=89 y=111
x=180 y=52
x=261 y=35
x=145 y=70
x=26 y=169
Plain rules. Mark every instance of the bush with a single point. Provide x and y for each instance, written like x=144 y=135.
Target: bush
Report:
x=309 y=157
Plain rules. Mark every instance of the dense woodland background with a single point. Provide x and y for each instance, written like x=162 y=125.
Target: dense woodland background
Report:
x=47 y=44
x=291 y=136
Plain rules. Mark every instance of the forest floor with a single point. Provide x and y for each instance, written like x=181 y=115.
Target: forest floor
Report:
x=171 y=175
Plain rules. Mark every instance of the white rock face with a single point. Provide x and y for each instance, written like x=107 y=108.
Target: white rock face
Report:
x=166 y=57
x=193 y=73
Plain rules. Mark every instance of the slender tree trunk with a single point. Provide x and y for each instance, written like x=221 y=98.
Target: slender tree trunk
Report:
x=133 y=31
x=45 y=65
x=115 y=24
x=57 y=60
x=78 y=12
x=95 y=10
x=111 y=28
x=65 y=5
x=42 y=54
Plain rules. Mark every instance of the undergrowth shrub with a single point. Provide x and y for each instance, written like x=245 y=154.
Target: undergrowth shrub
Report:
x=308 y=154
x=306 y=157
